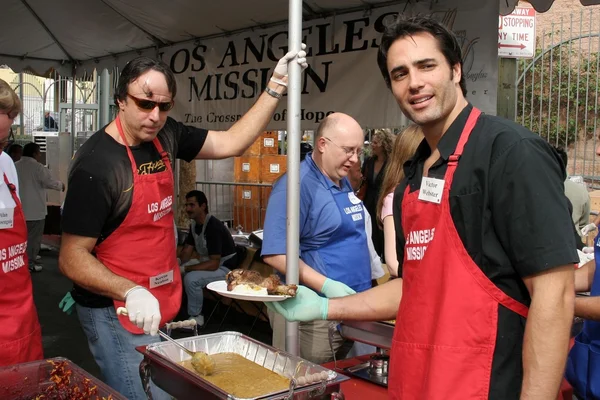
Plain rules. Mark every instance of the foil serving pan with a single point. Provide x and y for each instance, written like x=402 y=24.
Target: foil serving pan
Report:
x=162 y=364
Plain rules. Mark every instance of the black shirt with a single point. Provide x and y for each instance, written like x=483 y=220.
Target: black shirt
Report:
x=100 y=184
x=218 y=240
x=508 y=205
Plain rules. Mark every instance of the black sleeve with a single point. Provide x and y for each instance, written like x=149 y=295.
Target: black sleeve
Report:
x=213 y=238
x=188 y=139
x=88 y=204
x=529 y=209
x=397 y=214
x=189 y=239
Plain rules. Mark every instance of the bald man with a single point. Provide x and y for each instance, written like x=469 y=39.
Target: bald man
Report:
x=334 y=252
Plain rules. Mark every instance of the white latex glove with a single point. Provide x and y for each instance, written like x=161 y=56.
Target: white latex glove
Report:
x=143 y=309
x=281 y=69
x=588 y=228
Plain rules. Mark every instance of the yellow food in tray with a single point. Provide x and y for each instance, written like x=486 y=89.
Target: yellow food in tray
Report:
x=391 y=322
x=241 y=377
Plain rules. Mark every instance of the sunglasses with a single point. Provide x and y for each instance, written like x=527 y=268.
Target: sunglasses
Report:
x=149 y=105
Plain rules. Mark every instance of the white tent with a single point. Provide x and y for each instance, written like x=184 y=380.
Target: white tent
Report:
x=42 y=34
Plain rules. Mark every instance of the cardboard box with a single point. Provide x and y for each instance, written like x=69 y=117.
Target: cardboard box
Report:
x=272 y=167
x=246 y=169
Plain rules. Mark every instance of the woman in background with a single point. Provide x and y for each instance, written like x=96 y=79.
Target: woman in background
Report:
x=405 y=146
x=373 y=171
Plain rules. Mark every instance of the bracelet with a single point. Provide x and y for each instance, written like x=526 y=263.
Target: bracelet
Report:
x=131 y=290
x=278 y=81
x=272 y=93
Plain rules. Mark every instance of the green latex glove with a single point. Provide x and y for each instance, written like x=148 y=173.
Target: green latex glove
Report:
x=306 y=306
x=67 y=304
x=333 y=289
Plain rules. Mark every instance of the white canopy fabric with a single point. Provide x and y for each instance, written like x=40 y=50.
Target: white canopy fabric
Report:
x=40 y=35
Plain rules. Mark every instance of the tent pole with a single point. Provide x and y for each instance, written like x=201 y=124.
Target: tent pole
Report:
x=293 y=168
x=73 y=92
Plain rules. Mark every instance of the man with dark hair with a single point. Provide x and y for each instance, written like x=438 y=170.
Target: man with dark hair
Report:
x=34 y=180
x=579 y=197
x=484 y=237
x=118 y=245
x=213 y=242
x=15 y=151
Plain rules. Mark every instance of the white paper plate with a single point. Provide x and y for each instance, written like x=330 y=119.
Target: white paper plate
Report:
x=221 y=288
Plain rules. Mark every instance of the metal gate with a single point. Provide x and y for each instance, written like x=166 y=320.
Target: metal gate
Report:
x=557 y=91
x=53 y=95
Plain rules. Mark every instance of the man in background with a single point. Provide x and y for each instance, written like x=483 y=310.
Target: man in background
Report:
x=34 y=179
x=213 y=242
x=578 y=195
x=15 y=151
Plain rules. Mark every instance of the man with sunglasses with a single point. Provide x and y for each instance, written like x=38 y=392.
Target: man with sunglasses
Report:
x=20 y=336
x=335 y=257
x=118 y=245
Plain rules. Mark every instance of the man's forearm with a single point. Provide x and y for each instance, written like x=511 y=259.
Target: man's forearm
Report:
x=546 y=342
x=378 y=304
x=306 y=274
x=86 y=271
x=588 y=307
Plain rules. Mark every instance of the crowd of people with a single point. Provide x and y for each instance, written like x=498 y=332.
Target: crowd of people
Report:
x=473 y=216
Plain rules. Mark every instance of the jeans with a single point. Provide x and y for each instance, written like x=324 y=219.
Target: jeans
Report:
x=194 y=282
x=113 y=348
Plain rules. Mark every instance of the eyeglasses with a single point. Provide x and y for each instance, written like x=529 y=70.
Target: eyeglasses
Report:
x=349 y=152
x=149 y=105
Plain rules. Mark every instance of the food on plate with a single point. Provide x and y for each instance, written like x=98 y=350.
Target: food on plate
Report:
x=250 y=289
x=255 y=281
x=241 y=377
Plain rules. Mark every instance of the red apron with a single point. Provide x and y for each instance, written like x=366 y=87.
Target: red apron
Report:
x=444 y=340
x=142 y=248
x=20 y=333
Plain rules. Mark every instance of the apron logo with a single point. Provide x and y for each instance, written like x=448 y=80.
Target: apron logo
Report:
x=416 y=243
x=13 y=257
x=162 y=210
x=353 y=199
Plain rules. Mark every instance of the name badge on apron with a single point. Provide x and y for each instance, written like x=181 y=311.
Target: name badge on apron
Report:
x=161 y=279
x=7 y=218
x=431 y=190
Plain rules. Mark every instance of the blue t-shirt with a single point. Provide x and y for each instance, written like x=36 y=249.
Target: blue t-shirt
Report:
x=320 y=218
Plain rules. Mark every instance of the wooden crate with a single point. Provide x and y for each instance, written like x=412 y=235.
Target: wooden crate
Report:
x=272 y=167
x=246 y=169
x=248 y=217
x=265 y=192
x=269 y=143
x=247 y=196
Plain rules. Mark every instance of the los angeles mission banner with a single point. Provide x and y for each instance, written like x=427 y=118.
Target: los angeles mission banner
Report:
x=219 y=79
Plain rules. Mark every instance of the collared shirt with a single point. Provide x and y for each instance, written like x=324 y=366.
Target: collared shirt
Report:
x=319 y=215
x=508 y=205
x=34 y=179
x=7 y=166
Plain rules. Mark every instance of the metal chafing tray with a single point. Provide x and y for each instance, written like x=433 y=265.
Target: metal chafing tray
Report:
x=161 y=364
x=377 y=334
